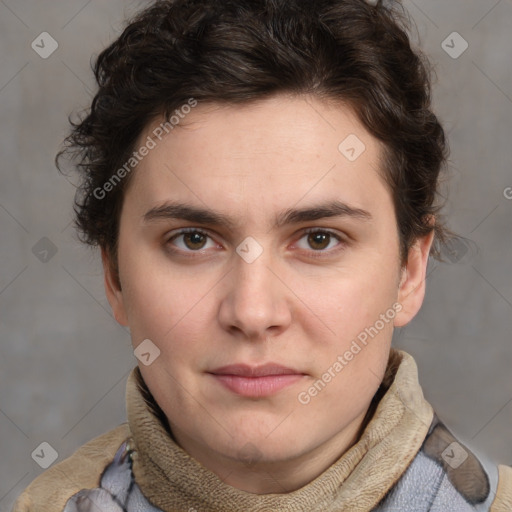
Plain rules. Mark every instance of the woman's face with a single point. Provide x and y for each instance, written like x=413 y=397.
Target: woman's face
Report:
x=255 y=235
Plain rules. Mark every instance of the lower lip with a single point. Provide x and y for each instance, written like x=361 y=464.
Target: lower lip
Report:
x=256 y=387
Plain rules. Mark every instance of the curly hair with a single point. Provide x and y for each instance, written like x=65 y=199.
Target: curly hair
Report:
x=238 y=51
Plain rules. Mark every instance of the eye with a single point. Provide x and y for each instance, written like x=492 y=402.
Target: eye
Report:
x=192 y=240
x=319 y=240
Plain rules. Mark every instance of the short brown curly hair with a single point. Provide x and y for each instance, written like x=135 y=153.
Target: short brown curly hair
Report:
x=237 y=51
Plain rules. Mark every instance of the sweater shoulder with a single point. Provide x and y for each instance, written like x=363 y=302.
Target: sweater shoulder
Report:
x=503 y=500
x=447 y=475
x=51 y=490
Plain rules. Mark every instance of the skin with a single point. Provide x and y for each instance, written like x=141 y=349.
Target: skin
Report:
x=204 y=306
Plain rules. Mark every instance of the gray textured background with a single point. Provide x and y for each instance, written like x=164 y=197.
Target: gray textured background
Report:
x=64 y=360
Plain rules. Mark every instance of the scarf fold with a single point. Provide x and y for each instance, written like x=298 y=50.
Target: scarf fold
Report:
x=396 y=426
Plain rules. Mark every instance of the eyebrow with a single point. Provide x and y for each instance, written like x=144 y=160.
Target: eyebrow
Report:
x=184 y=211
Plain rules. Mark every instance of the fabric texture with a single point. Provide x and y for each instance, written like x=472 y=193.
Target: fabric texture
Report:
x=405 y=460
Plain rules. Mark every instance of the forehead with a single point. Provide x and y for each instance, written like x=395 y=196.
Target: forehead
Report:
x=262 y=156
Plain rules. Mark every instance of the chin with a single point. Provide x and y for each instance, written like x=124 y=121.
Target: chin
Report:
x=261 y=449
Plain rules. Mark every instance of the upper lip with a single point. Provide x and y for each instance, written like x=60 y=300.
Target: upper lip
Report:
x=245 y=370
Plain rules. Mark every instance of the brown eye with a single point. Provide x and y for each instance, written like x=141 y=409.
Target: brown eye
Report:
x=194 y=240
x=189 y=240
x=319 y=240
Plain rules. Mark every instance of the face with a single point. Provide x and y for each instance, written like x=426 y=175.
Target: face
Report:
x=284 y=250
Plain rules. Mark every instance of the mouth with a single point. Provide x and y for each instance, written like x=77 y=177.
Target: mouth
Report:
x=256 y=381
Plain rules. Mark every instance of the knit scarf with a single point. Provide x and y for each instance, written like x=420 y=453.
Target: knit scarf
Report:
x=393 y=432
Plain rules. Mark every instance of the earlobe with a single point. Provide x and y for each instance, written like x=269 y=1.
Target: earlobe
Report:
x=411 y=290
x=113 y=289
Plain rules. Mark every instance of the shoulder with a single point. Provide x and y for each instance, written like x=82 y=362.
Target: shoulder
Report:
x=481 y=483
x=83 y=469
x=447 y=475
x=503 y=500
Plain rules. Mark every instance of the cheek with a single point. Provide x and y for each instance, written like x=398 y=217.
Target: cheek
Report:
x=351 y=361
x=173 y=309
x=355 y=309
x=352 y=299
x=150 y=288
x=161 y=308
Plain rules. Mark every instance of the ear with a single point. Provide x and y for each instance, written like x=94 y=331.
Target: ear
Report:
x=113 y=288
x=411 y=291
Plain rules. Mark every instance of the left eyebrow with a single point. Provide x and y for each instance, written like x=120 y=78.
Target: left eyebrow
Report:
x=184 y=211
x=322 y=211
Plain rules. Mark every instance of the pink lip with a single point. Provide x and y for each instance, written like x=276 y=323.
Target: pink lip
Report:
x=256 y=381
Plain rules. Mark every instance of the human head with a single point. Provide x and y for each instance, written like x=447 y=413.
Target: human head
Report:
x=247 y=71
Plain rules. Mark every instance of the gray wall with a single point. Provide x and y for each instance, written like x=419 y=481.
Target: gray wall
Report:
x=64 y=360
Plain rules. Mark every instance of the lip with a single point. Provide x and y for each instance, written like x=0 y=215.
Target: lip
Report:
x=256 y=381
x=264 y=370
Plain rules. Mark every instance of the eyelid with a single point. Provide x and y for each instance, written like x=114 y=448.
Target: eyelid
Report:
x=330 y=231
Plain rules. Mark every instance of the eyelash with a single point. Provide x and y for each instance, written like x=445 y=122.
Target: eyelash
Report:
x=321 y=253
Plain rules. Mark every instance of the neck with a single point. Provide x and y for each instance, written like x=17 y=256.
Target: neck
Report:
x=263 y=476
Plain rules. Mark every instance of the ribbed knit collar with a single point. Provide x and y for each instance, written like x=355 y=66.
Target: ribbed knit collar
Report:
x=174 y=481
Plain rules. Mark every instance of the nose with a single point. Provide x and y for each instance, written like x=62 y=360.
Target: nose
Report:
x=256 y=302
